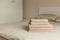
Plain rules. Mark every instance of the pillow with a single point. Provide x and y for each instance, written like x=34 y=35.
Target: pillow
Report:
x=57 y=19
x=50 y=17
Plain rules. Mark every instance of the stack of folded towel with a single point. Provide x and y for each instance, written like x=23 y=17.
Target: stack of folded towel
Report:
x=40 y=25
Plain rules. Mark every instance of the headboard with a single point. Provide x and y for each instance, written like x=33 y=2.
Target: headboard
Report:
x=49 y=10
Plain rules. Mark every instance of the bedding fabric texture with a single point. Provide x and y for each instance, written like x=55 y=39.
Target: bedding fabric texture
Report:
x=57 y=19
x=2 y=38
x=7 y=37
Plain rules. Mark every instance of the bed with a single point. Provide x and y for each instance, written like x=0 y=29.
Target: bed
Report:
x=16 y=31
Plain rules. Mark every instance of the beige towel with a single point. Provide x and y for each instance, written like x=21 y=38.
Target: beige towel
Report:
x=39 y=23
x=41 y=26
x=40 y=30
x=44 y=20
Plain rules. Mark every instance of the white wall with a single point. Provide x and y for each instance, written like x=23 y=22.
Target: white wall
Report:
x=11 y=11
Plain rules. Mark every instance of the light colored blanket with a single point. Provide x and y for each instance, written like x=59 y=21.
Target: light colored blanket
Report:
x=8 y=37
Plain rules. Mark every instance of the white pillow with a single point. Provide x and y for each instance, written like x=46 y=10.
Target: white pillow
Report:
x=51 y=17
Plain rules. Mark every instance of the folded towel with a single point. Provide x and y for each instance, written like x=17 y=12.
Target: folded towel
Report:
x=40 y=30
x=41 y=26
x=39 y=23
x=44 y=20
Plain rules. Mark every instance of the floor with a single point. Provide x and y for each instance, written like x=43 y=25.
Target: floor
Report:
x=18 y=30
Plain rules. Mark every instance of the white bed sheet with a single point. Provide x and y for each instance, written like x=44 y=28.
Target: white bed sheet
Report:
x=55 y=35
x=16 y=30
